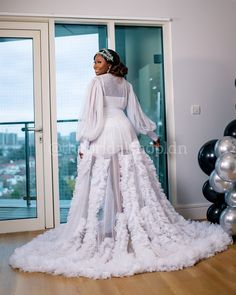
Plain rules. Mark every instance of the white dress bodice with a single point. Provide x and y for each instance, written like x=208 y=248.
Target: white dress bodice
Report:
x=112 y=97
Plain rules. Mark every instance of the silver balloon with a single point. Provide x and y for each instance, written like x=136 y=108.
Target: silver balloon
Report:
x=225 y=166
x=228 y=220
x=218 y=184
x=230 y=197
x=225 y=145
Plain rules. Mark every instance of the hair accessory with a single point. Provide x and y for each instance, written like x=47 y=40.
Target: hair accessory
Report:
x=106 y=54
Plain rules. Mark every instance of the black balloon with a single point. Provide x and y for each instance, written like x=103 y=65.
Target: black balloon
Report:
x=211 y=195
x=214 y=212
x=230 y=129
x=207 y=157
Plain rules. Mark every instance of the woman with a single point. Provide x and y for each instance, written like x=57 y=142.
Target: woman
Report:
x=120 y=222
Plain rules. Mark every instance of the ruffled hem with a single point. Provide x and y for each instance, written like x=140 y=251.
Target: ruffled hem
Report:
x=145 y=235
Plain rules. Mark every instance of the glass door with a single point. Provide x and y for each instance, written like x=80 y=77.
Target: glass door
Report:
x=75 y=46
x=21 y=131
x=141 y=49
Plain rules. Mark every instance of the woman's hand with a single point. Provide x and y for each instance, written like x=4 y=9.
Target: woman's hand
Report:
x=81 y=155
x=156 y=143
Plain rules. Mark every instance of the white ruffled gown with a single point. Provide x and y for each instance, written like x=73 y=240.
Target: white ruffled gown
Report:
x=120 y=222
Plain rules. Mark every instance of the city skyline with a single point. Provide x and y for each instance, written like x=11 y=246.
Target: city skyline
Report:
x=13 y=138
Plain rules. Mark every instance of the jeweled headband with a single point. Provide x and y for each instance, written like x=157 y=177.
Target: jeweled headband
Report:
x=106 y=54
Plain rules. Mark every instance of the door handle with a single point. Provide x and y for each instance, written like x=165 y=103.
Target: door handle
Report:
x=35 y=129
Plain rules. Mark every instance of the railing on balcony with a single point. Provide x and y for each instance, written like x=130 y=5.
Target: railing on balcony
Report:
x=19 y=139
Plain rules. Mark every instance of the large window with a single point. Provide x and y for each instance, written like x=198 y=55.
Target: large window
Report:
x=141 y=48
x=24 y=128
x=17 y=148
x=42 y=92
x=75 y=49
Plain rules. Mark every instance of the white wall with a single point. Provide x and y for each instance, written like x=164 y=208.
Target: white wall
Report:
x=204 y=69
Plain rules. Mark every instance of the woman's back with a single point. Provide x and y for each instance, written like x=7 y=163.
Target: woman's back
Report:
x=114 y=86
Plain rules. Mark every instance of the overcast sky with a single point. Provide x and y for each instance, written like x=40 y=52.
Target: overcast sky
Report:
x=74 y=70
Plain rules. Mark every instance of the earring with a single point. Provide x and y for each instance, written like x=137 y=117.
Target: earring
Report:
x=109 y=69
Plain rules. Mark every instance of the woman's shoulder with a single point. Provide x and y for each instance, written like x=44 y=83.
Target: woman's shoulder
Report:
x=95 y=81
x=107 y=79
x=99 y=79
x=109 y=76
x=129 y=85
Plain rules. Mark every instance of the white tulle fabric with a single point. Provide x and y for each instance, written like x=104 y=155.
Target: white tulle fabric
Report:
x=120 y=222
x=109 y=96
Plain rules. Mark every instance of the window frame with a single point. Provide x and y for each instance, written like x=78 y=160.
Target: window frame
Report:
x=50 y=65
x=168 y=86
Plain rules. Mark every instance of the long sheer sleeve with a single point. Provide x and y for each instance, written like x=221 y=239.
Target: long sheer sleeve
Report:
x=141 y=123
x=91 y=119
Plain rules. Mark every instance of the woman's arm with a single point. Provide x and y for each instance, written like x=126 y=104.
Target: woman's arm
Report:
x=140 y=121
x=91 y=120
x=83 y=147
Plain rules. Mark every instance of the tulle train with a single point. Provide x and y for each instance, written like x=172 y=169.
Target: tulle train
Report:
x=120 y=223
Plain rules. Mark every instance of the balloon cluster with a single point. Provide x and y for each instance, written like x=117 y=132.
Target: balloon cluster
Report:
x=217 y=158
